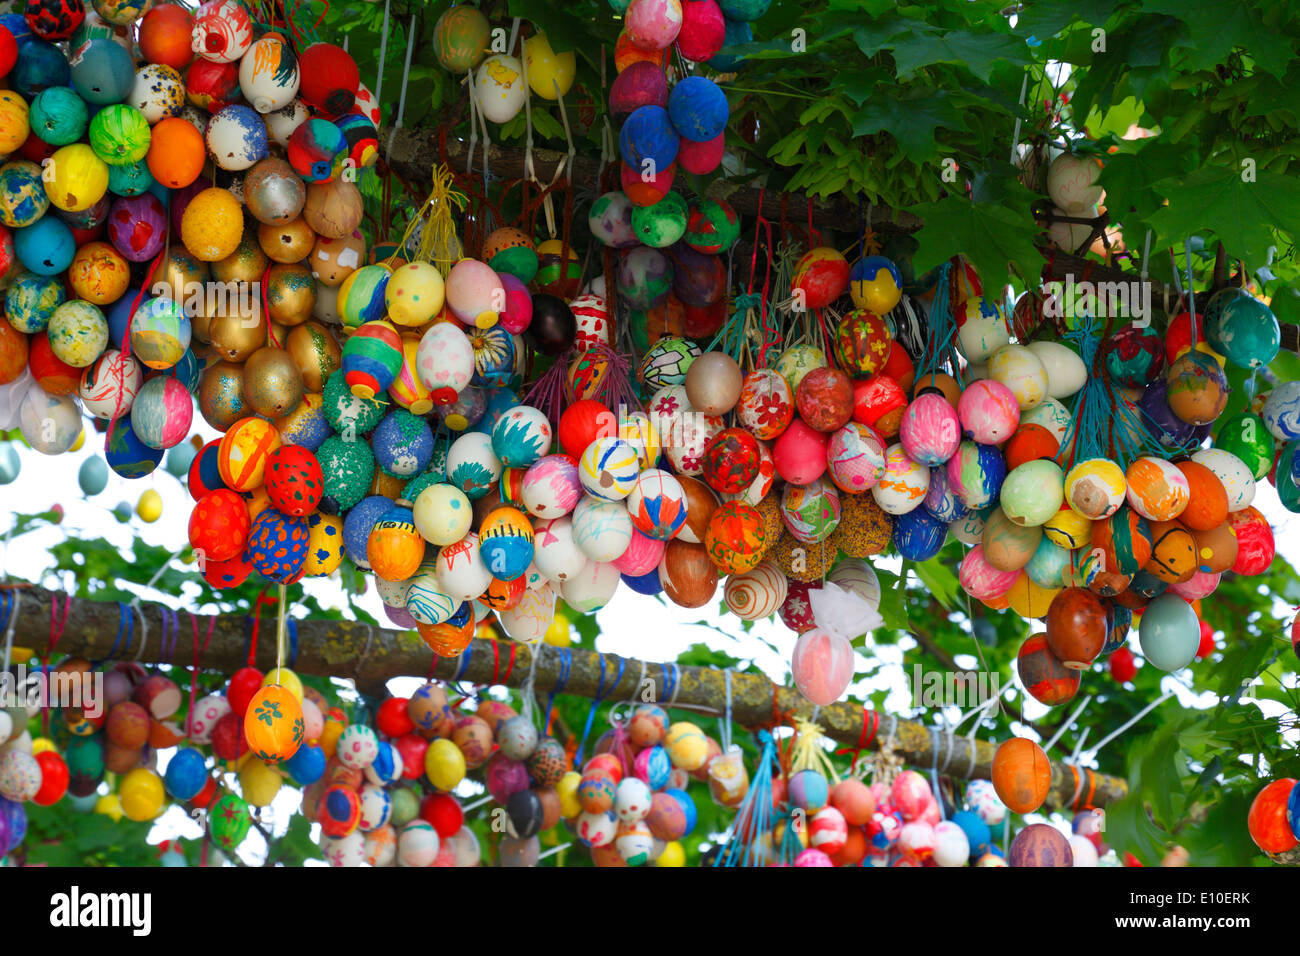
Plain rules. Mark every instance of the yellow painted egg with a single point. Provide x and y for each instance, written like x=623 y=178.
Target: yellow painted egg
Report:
x=415 y=293
x=324 y=547
x=1095 y=488
x=444 y=764
x=567 y=791
x=286 y=679
x=110 y=806
x=687 y=746
x=141 y=794
x=259 y=782
x=1068 y=529
x=673 y=855
x=550 y=74
x=1028 y=599
x=75 y=178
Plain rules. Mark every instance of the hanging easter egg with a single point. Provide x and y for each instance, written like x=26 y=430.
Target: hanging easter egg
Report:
x=904 y=484
x=756 y=593
x=273 y=724
x=1022 y=775
x=269 y=76
x=610 y=218
x=472 y=466
x=667 y=362
x=162 y=412
x=445 y=361
x=49 y=423
x=609 y=468
x=1033 y=493
x=822 y=666
x=820 y=277
x=109 y=384
x=1169 y=633
x=372 y=357
x=855 y=458
x=930 y=430
x=277 y=546
x=1095 y=488
x=976 y=473
x=236 y=138
x=394 y=548
x=980 y=579
x=499 y=87
x=657 y=504
x=1134 y=355
x=736 y=537
x=862 y=343
x=1197 y=388
x=766 y=403
x=1072 y=182
x=1245 y=436
x=22 y=193
x=989 y=411
x=1281 y=411
x=875 y=284
x=460 y=38
x=552 y=487
x=550 y=74
x=1156 y=489
x=222 y=31
x=505 y=543
x=1242 y=328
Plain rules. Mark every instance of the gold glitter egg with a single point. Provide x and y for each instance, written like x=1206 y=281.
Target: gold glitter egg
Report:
x=290 y=293
x=245 y=264
x=237 y=328
x=273 y=385
x=221 y=395
x=803 y=562
x=315 y=352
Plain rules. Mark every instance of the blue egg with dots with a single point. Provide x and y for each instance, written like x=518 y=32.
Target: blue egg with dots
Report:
x=496 y=402
x=357 y=524
x=698 y=109
x=648 y=141
x=919 y=535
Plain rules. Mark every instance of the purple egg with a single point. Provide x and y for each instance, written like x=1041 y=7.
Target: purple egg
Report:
x=1166 y=427
x=505 y=777
x=137 y=226
x=641 y=84
x=399 y=616
x=13 y=823
x=699 y=278
x=1040 y=845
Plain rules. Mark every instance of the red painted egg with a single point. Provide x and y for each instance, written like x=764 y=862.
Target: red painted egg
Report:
x=825 y=398
x=219 y=526
x=294 y=480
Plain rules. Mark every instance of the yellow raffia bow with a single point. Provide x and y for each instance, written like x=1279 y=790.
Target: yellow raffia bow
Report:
x=439 y=243
x=808 y=752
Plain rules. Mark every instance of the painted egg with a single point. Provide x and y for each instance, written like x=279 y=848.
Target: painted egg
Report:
x=277 y=546
x=981 y=329
x=500 y=88
x=942 y=500
x=1095 y=488
x=1032 y=493
x=472 y=466
x=555 y=551
x=394 y=548
x=505 y=543
x=667 y=362
x=1124 y=540
x=530 y=619
x=521 y=436
x=1246 y=436
x=162 y=412
x=1134 y=355
x=1255 y=545
x=273 y=724
x=1021 y=370
x=862 y=343
x=324 y=544
x=1051 y=415
x=766 y=403
x=1197 y=388
x=1281 y=412
x=109 y=384
x=551 y=487
x=976 y=473
x=856 y=457
x=731 y=460
x=930 y=430
x=811 y=512
x=602 y=529
x=609 y=468
x=982 y=580
x=736 y=537
x=657 y=504
x=445 y=361
x=904 y=484
x=1156 y=490
x=757 y=593
x=1238 y=483
x=797 y=361
x=988 y=411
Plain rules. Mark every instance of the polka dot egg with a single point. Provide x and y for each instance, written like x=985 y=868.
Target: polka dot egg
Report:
x=357 y=747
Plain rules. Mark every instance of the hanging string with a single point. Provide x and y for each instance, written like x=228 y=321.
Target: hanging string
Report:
x=866 y=734
x=943 y=330
x=401 y=101
x=383 y=53
x=194 y=667
x=57 y=625
x=596 y=701
x=566 y=662
x=746 y=844
x=250 y=645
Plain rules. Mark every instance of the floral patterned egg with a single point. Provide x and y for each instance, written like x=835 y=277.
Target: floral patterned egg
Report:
x=521 y=436
x=273 y=724
x=731 y=460
x=277 y=546
x=608 y=468
x=667 y=362
x=657 y=504
x=812 y=511
x=797 y=361
x=494 y=355
x=796 y=610
x=766 y=404
x=763 y=481
x=930 y=430
x=551 y=486
x=855 y=457
x=694 y=433
x=736 y=537
x=904 y=484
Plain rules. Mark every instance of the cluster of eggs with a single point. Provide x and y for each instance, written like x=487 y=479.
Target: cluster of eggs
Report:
x=671 y=273
x=134 y=280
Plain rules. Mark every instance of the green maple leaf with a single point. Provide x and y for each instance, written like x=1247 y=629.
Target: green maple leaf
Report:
x=1215 y=29
x=977 y=52
x=1046 y=18
x=990 y=235
x=910 y=121
x=1243 y=215
x=1128 y=177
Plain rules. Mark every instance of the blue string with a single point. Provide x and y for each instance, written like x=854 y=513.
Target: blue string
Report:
x=733 y=329
x=566 y=662
x=464 y=663
x=943 y=330
x=754 y=814
x=121 y=628
x=6 y=610
x=601 y=694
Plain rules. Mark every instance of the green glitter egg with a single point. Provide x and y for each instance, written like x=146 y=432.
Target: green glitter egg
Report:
x=348 y=467
x=347 y=413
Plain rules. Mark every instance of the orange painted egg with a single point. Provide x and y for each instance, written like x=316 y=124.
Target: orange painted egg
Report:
x=273 y=724
x=1022 y=774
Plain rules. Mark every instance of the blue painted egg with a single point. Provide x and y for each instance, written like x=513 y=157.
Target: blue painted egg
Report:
x=277 y=546
x=402 y=443
x=126 y=454
x=918 y=535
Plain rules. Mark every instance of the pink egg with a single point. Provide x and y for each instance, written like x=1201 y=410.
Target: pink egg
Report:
x=642 y=556
x=822 y=665
x=980 y=579
x=800 y=453
x=653 y=24
x=989 y=411
x=1199 y=585
x=474 y=293
x=930 y=431
x=701 y=158
x=812 y=857
x=518 y=312
x=916 y=840
x=911 y=794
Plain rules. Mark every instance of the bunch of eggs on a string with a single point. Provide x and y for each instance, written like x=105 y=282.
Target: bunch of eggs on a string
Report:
x=123 y=142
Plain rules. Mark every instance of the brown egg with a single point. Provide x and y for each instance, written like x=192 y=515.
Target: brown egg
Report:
x=551 y=810
x=689 y=578
x=1007 y=545
x=290 y=293
x=120 y=759
x=943 y=382
x=221 y=394
x=713 y=383
x=246 y=264
x=316 y=353
x=1216 y=549
x=428 y=708
x=273 y=386
x=474 y=738
x=333 y=209
x=237 y=329
x=701 y=502
x=290 y=242
x=333 y=260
